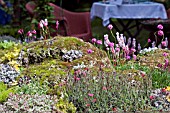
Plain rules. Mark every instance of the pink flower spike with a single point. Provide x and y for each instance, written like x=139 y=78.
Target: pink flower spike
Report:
x=111 y=44
x=90 y=94
x=20 y=31
x=110 y=26
x=57 y=24
x=149 y=40
x=160 y=33
x=99 y=42
x=89 y=51
x=163 y=43
x=160 y=26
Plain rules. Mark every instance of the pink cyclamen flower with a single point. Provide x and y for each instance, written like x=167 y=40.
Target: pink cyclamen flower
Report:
x=29 y=34
x=106 y=37
x=89 y=51
x=90 y=94
x=99 y=42
x=160 y=26
x=160 y=33
x=165 y=54
x=20 y=31
x=149 y=40
x=34 y=32
x=45 y=22
x=110 y=26
x=93 y=40
x=57 y=24
x=40 y=25
x=163 y=43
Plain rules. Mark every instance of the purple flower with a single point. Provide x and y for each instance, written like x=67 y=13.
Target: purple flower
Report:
x=160 y=26
x=89 y=51
x=99 y=42
x=160 y=33
x=110 y=26
x=93 y=40
x=20 y=31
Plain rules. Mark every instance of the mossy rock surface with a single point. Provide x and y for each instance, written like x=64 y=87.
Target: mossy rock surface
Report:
x=56 y=69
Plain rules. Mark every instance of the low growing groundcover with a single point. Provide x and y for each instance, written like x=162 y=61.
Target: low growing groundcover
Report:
x=52 y=76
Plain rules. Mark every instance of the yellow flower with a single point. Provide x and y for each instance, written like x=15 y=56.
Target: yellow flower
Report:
x=14 y=64
x=168 y=98
x=167 y=88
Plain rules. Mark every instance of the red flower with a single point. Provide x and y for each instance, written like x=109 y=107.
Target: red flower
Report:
x=94 y=100
x=163 y=90
x=151 y=97
x=114 y=109
x=87 y=105
x=104 y=88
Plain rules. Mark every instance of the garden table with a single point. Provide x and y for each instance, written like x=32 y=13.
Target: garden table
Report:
x=130 y=12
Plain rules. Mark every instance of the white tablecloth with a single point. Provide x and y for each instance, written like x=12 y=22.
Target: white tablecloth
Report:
x=145 y=10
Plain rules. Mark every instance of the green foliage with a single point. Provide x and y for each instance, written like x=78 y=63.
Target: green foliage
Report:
x=106 y=92
x=31 y=103
x=8 y=30
x=4 y=92
x=65 y=107
x=32 y=88
x=6 y=45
